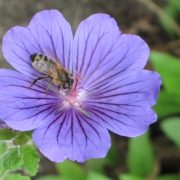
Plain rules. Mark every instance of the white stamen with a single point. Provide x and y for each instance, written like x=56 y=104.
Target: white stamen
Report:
x=74 y=100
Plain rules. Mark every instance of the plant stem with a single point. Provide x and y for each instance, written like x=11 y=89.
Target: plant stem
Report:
x=162 y=14
x=3 y=174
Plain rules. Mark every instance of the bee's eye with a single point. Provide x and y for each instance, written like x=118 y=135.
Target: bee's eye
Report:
x=65 y=85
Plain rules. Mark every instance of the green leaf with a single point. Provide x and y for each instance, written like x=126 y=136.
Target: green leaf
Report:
x=17 y=177
x=172 y=9
x=12 y=159
x=96 y=164
x=171 y=129
x=99 y=164
x=140 y=156
x=96 y=176
x=71 y=170
x=175 y=4
x=112 y=156
x=169 y=99
x=1 y=166
x=129 y=177
x=169 y=10
x=168 y=104
x=29 y=134
x=50 y=178
x=3 y=148
x=169 y=68
x=7 y=134
x=20 y=139
x=169 y=177
x=31 y=159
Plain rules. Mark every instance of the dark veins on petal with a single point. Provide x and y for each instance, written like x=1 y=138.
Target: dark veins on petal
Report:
x=98 y=111
x=107 y=90
x=65 y=118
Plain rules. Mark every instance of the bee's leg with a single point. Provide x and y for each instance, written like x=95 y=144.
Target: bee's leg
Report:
x=48 y=86
x=35 y=81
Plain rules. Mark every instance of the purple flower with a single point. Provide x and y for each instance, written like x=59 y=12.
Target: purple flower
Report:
x=111 y=91
x=3 y=125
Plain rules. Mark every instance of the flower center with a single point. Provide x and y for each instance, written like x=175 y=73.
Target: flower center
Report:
x=74 y=98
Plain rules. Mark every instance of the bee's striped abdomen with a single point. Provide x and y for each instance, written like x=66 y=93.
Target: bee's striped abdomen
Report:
x=42 y=63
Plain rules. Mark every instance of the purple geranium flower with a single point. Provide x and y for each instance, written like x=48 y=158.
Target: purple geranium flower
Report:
x=3 y=125
x=111 y=91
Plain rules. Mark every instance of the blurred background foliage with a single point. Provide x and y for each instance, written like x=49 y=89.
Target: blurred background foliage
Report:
x=152 y=156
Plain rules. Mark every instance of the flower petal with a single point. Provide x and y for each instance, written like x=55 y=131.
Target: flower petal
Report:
x=3 y=124
x=23 y=107
x=48 y=33
x=72 y=137
x=125 y=103
x=101 y=50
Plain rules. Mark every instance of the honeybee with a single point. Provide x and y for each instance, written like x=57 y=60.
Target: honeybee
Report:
x=51 y=70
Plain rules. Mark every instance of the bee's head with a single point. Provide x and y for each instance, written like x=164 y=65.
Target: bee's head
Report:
x=36 y=57
x=68 y=84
